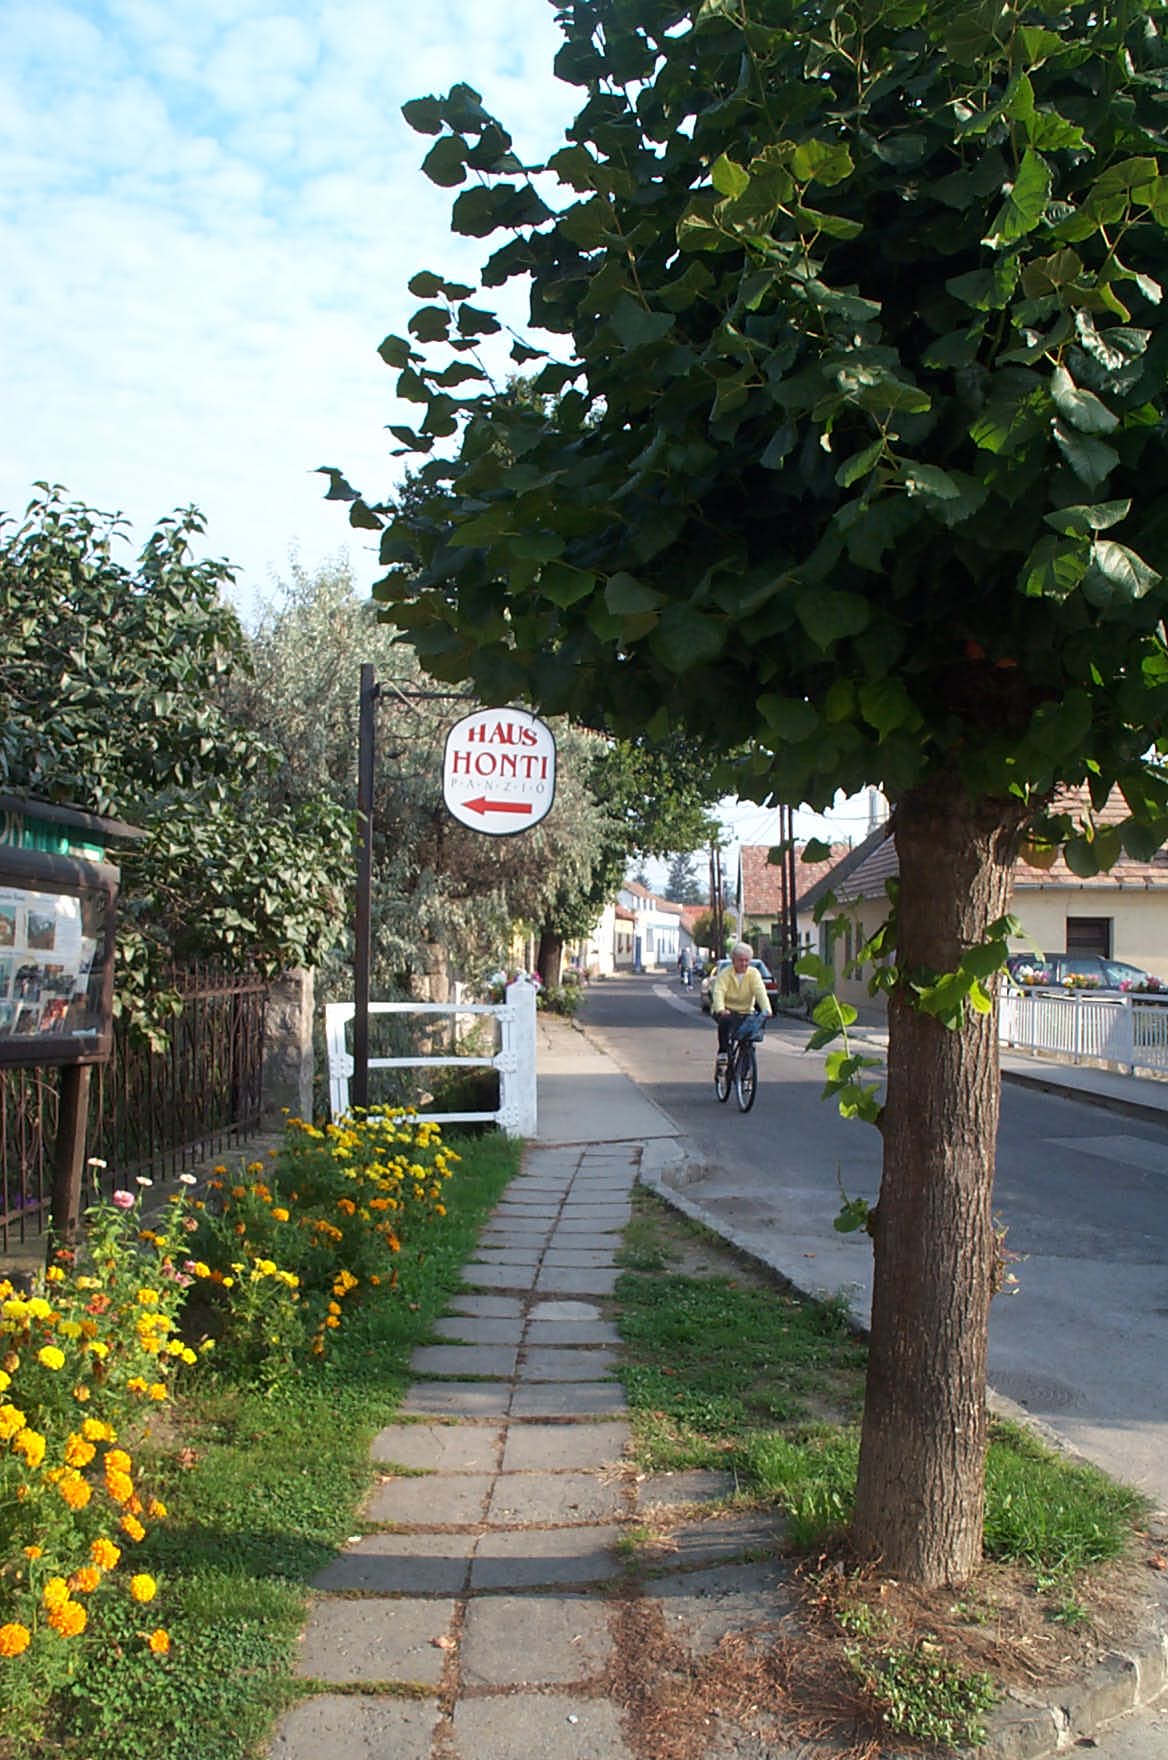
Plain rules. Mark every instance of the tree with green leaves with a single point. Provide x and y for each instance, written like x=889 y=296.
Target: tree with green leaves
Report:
x=853 y=311
x=681 y=883
x=114 y=681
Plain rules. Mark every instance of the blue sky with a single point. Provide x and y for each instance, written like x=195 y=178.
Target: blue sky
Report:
x=209 y=210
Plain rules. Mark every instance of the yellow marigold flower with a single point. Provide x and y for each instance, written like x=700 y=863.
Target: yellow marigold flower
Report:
x=75 y=1490
x=69 y=1620
x=5 y=1380
x=132 y=1526
x=136 y=1384
x=157 y=1390
x=79 y=1451
x=98 y=1349
x=440 y=1209
x=70 y=1329
x=188 y=1355
x=5 y=1289
x=15 y=1310
x=105 y=1554
x=157 y=1509
x=11 y=1420
x=255 y=1167
x=55 y=1593
x=117 y=1460
x=143 y=1587
x=266 y=1267
x=97 y=1430
x=279 y=1214
x=39 y=1309
x=34 y=1552
x=54 y=1274
x=14 y=1639
x=31 y=1444
x=159 y=1641
x=81 y=1393
x=149 y=1298
x=290 y=1278
x=85 y=1580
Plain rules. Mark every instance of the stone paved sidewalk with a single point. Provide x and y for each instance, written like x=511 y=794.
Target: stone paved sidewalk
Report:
x=482 y=1612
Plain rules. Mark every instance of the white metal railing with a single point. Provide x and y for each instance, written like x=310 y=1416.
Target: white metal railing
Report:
x=514 y=1059
x=1130 y=1030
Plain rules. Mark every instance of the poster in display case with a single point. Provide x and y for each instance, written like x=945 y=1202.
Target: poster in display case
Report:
x=56 y=957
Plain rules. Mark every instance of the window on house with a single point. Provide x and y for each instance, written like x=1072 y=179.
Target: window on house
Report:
x=1089 y=935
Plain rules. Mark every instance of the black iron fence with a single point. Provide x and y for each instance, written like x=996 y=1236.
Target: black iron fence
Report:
x=151 y=1113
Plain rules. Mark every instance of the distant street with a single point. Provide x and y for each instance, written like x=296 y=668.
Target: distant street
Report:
x=1083 y=1345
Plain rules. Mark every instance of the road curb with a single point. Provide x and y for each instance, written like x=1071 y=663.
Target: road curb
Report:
x=1021 y=1727
x=1050 y=1084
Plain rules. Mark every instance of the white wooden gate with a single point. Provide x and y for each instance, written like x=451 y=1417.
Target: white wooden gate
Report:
x=514 y=1060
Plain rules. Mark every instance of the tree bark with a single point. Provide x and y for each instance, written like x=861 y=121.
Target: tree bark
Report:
x=919 y=1495
x=549 y=962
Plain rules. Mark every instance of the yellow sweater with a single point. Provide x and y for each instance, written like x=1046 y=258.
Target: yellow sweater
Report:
x=741 y=995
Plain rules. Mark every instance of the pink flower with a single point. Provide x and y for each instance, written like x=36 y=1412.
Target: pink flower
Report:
x=123 y=1200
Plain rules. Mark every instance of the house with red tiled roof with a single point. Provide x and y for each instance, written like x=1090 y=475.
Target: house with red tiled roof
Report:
x=762 y=895
x=1121 y=914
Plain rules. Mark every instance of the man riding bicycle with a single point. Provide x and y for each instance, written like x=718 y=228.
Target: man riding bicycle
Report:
x=737 y=991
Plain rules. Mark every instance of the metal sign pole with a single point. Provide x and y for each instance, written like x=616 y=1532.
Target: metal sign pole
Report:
x=366 y=755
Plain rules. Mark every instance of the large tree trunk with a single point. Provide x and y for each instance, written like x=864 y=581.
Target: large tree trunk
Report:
x=919 y=1496
x=549 y=963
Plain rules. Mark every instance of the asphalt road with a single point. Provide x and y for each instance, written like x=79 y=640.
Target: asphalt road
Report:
x=1083 y=1343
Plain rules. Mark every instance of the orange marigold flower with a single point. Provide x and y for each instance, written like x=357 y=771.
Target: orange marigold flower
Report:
x=157 y=1509
x=95 y=1430
x=34 y=1552
x=120 y=1486
x=75 y=1490
x=159 y=1641
x=105 y=1554
x=85 y=1580
x=69 y=1620
x=132 y=1526
x=117 y=1461
x=79 y=1451
x=14 y=1639
x=31 y=1444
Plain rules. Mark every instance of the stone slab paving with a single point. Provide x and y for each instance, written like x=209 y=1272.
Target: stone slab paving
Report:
x=472 y=1619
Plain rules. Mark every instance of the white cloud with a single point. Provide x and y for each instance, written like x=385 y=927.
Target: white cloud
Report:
x=208 y=215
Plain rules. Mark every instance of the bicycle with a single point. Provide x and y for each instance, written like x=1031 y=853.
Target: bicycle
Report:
x=740 y=1070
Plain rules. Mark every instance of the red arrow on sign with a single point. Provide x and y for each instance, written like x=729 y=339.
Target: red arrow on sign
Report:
x=482 y=805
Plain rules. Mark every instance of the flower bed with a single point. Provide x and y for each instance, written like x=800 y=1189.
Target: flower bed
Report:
x=247 y=1284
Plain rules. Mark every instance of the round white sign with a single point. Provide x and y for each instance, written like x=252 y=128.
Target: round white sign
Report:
x=499 y=771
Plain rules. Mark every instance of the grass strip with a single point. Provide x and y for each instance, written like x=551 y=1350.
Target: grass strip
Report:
x=724 y=1365
x=261 y=1488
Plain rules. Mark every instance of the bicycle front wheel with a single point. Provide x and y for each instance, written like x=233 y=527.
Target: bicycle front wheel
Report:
x=746 y=1077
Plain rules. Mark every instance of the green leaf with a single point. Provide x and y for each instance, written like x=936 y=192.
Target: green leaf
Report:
x=564 y=585
x=1081 y=521
x=1082 y=409
x=814 y=850
x=430 y=324
x=396 y=352
x=886 y=705
x=684 y=638
x=625 y=596
x=728 y=178
x=445 y=163
x=826 y=162
x=859 y=464
x=830 y=617
x=1081 y=857
x=1091 y=461
x=1053 y=570
x=1025 y=202
x=635 y=326
x=788 y=718
x=424 y=115
x=1125 y=572
x=929 y=481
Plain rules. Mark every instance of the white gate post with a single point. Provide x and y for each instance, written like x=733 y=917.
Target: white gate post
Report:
x=516 y=1062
